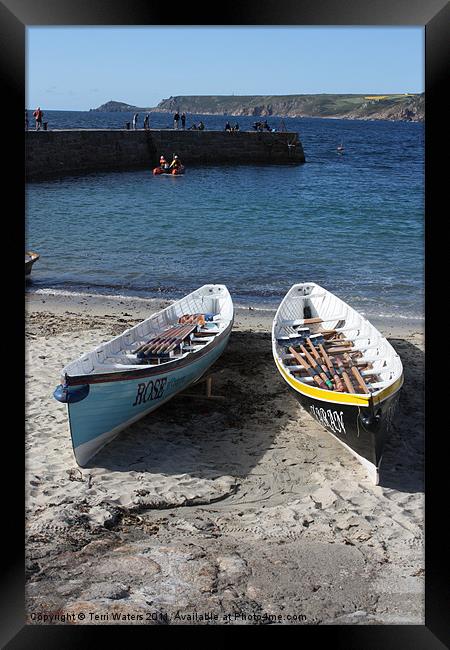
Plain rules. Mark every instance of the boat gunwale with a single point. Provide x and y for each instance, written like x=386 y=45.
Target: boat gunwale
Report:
x=147 y=371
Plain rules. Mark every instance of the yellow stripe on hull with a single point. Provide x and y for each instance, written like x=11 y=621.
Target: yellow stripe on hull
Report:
x=333 y=396
x=390 y=390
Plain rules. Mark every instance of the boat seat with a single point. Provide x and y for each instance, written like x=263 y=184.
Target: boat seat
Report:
x=311 y=295
x=303 y=321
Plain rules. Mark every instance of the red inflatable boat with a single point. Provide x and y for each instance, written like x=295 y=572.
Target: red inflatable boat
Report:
x=171 y=172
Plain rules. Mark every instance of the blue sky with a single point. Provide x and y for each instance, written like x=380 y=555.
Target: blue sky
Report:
x=71 y=68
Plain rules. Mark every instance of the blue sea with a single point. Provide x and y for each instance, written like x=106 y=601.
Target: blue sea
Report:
x=352 y=222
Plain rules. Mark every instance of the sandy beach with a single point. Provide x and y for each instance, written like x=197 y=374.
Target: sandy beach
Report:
x=239 y=509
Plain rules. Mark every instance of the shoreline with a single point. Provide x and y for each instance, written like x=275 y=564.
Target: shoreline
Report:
x=59 y=300
x=168 y=112
x=195 y=508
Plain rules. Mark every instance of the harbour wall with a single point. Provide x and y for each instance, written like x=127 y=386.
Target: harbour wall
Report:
x=78 y=151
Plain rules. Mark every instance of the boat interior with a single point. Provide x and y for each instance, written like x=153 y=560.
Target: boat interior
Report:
x=182 y=329
x=321 y=341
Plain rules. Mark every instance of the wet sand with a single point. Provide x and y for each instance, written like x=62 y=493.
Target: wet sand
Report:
x=238 y=509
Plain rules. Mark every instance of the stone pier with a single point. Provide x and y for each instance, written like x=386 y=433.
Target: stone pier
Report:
x=50 y=154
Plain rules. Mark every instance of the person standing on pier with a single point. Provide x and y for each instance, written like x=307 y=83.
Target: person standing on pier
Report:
x=38 y=115
x=176 y=119
x=183 y=120
x=146 y=121
x=135 y=119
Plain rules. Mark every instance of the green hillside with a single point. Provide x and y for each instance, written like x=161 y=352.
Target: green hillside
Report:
x=408 y=107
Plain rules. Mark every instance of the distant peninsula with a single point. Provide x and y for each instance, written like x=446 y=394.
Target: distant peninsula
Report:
x=406 y=107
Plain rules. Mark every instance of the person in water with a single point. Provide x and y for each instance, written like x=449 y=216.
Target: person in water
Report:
x=176 y=163
x=163 y=162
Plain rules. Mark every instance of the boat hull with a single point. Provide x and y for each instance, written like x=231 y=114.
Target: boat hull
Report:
x=30 y=259
x=111 y=406
x=158 y=171
x=363 y=430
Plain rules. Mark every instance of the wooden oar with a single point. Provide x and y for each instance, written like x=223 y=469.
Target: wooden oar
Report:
x=318 y=358
x=311 y=371
x=182 y=336
x=334 y=372
x=364 y=365
x=344 y=348
x=177 y=338
x=357 y=374
x=183 y=320
x=168 y=335
x=156 y=338
x=345 y=377
x=316 y=366
x=176 y=343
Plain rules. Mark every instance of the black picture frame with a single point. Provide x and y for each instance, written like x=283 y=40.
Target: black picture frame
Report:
x=15 y=16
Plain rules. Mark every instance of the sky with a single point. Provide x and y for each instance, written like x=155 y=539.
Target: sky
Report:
x=78 y=68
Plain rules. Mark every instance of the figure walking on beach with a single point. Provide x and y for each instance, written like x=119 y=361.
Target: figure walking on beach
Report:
x=135 y=119
x=38 y=115
x=183 y=120
x=176 y=118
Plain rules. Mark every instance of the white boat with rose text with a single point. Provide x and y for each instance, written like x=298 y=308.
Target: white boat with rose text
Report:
x=340 y=368
x=131 y=375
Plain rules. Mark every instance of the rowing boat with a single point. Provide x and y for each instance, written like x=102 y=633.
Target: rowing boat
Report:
x=131 y=375
x=30 y=258
x=340 y=368
x=177 y=171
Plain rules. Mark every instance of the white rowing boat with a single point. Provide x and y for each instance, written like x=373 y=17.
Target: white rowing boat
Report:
x=123 y=380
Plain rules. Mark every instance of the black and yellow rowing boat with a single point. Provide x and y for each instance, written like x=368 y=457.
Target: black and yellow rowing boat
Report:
x=340 y=368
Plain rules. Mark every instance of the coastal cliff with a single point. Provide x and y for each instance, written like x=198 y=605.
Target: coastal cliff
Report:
x=406 y=107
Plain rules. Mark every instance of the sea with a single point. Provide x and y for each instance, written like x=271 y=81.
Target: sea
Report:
x=352 y=222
